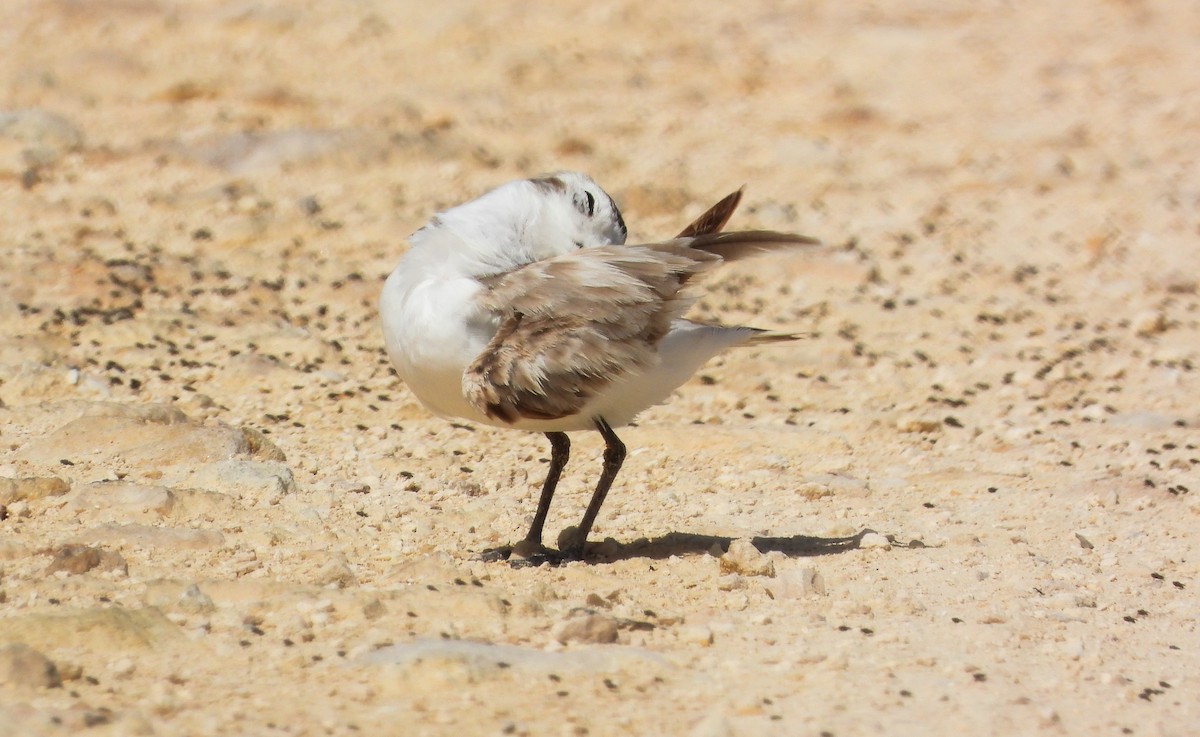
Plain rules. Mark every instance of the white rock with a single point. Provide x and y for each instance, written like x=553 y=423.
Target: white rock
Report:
x=744 y=559
x=874 y=540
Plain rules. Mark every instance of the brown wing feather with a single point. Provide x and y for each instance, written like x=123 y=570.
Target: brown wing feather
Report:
x=571 y=325
x=714 y=218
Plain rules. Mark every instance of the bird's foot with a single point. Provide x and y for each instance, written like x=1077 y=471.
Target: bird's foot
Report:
x=525 y=554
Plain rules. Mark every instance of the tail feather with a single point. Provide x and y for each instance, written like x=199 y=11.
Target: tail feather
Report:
x=741 y=244
x=765 y=337
x=714 y=218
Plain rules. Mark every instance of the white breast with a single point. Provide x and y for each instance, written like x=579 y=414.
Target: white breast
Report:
x=432 y=331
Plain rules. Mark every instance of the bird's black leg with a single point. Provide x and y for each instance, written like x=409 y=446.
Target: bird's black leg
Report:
x=560 y=451
x=614 y=456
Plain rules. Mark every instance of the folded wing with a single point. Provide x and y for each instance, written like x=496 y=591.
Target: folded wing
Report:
x=570 y=326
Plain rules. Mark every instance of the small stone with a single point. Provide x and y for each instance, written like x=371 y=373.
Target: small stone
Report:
x=195 y=601
x=335 y=572
x=696 y=634
x=1149 y=322
x=263 y=481
x=524 y=550
x=346 y=486
x=568 y=539
x=731 y=582
x=874 y=540
x=18 y=510
x=744 y=559
x=918 y=425
x=262 y=448
x=813 y=490
x=798 y=583
x=21 y=665
x=122 y=668
x=588 y=627
x=374 y=609
x=433 y=569
x=77 y=559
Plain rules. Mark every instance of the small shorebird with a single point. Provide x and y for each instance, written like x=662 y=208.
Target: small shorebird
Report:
x=524 y=309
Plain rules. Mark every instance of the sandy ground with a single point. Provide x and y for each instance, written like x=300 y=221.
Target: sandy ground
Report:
x=223 y=513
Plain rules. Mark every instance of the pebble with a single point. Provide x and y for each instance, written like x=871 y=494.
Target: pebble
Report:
x=696 y=634
x=262 y=481
x=335 y=572
x=587 y=627
x=918 y=425
x=797 y=583
x=77 y=559
x=1149 y=322
x=874 y=540
x=195 y=601
x=731 y=582
x=744 y=559
x=21 y=665
x=435 y=568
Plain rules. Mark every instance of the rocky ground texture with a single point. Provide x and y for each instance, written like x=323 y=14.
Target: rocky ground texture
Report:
x=968 y=505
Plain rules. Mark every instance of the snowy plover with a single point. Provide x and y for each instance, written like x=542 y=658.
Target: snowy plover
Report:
x=524 y=309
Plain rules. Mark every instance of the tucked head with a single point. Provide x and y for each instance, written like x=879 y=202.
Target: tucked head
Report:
x=525 y=221
x=576 y=205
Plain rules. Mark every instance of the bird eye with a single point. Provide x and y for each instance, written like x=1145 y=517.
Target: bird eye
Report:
x=587 y=206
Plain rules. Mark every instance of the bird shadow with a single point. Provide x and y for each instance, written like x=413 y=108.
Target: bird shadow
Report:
x=686 y=543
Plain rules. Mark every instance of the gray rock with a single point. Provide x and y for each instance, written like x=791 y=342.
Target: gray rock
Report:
x=21 y=665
